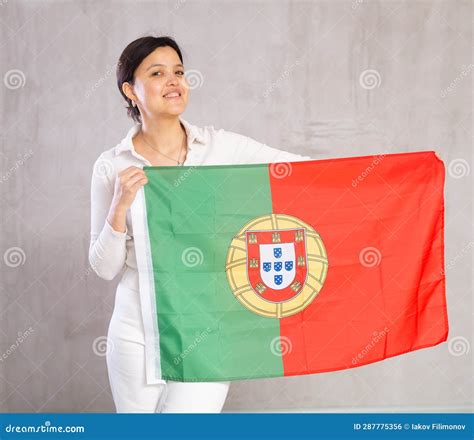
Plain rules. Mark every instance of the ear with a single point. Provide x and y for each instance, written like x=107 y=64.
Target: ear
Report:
x=128 y=90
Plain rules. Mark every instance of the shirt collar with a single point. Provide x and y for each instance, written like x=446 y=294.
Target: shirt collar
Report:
x=193 y=132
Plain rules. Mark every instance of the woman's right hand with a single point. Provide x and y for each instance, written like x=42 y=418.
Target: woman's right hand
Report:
x=127 y=183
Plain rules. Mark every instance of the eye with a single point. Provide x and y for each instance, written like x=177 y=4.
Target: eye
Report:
x=179 y=72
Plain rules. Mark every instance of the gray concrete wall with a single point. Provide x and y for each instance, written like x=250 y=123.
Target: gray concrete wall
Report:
x=325 y=78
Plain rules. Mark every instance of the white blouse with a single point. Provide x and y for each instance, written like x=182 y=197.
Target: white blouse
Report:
x=109 y=249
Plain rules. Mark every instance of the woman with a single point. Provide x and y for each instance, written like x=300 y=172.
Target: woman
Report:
x=150 y=76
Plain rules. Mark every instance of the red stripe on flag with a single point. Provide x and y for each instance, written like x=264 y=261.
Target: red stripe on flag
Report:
x=381 y=219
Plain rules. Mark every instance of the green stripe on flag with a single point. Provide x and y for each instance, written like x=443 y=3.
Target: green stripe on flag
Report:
x=193 y=213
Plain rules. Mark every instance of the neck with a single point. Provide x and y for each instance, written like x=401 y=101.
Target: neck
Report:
x=164 y=133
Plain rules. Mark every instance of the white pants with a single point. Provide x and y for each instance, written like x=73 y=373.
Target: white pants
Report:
x=126 y=368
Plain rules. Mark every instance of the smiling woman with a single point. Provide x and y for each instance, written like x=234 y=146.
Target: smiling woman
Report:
x=136 y=73
x=150 y=77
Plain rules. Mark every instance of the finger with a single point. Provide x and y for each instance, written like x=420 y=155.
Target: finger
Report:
x=138 y=185
x=131 y=174
x=126 y=170
x=133 y=180
x=130 y=171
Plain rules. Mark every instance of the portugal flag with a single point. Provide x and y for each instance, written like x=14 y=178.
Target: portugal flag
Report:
x=283 y=269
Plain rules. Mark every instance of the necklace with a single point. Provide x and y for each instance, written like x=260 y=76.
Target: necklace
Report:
x=158 y=151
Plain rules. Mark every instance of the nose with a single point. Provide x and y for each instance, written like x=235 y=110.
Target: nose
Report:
x=172 y=79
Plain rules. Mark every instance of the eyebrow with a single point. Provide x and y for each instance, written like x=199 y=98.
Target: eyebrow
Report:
x=153 y=65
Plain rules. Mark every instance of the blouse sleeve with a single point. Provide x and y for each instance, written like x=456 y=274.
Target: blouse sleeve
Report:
x=107 y=250
x=248 y=150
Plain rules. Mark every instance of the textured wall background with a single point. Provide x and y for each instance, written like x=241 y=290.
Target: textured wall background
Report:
x=324 y=78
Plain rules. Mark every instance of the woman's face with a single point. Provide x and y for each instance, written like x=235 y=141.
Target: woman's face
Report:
x=160 y=73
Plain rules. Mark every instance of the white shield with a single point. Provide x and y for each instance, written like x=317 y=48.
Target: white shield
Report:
x=277 y=264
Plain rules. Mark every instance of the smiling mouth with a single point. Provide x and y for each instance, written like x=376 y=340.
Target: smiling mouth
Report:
x=173 y=95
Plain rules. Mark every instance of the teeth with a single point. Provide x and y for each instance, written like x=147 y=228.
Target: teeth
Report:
x=171 y=95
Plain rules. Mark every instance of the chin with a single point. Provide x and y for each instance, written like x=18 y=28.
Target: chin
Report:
x=172 y=112
x=176 y=110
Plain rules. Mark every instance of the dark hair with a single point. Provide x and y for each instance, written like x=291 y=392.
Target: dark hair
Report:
x=131 y=58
